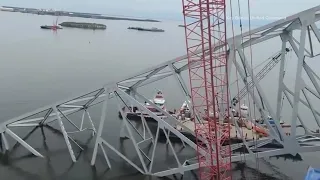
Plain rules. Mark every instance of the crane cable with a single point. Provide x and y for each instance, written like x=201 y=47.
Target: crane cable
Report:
x=254 y=106
x=249 y=102
x=269 y=59
x=234 y=55
x=241 y=32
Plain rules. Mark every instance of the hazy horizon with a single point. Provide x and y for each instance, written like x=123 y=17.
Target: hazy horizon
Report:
x=265 y=11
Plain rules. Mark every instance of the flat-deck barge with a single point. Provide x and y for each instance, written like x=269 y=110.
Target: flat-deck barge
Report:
x=83 y=25
x=147 y=29
x=50 y=27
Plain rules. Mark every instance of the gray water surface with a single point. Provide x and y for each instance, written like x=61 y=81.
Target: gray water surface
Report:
x=40 y=67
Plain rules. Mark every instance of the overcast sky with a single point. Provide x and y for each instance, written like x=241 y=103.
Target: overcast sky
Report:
x=164 y=9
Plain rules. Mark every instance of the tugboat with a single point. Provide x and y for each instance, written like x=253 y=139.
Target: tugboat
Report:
x=158 y=100
x=53 y=27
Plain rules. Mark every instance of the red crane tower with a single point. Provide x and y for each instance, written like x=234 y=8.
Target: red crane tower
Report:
x=205 y=30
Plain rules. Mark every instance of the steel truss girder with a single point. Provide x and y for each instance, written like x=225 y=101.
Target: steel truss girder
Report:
x=290 y=145
x=163 y=125
x=281 y=29
x=56 y=112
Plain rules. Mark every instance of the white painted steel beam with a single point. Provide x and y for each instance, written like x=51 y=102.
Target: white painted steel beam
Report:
x=298 y=79
x=23 y=143
x=65 y=135
x=101 y=125
x=284 y=39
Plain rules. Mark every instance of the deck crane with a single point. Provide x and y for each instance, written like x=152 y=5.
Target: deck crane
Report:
x=205 y=25
x=274 y=60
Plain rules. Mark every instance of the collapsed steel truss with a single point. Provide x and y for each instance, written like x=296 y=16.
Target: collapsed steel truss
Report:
x=125 y=91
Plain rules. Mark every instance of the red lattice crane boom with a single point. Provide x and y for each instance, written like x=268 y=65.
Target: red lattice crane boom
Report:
x=205 y=30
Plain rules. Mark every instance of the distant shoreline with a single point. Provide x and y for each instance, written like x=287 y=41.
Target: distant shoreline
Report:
x=70 y=14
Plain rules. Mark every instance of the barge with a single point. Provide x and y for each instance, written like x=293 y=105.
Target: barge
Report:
x=83 y=25
x=147 y=29
x=50 y=27
x=249 y=130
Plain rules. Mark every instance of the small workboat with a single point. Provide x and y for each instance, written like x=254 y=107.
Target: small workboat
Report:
x=158 y=100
